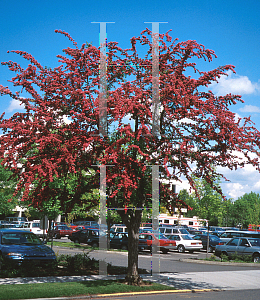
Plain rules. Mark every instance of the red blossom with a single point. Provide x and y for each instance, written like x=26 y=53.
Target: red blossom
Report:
x=196 y=127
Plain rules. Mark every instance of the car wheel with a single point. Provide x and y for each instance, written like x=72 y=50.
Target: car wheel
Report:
x=95 y=245
x=181 y=249
x=256 y=258
x=124 y=247
x=56 y=236
x=211 y=249
x=165 y=251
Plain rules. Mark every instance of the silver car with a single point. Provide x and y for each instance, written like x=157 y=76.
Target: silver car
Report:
x=241 y=246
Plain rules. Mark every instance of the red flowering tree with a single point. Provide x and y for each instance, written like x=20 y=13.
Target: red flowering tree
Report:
x=196 y=129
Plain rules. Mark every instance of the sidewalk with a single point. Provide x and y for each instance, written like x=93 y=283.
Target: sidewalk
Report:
x=223 y=280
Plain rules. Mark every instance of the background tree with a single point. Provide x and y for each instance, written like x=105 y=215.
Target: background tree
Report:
x=246 y=210
x=189 y=127
x=228 y=213
x=208 y=203
x=7 y=189
x=190 y=201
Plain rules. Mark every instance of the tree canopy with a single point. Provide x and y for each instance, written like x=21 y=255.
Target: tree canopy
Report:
x=196 y=129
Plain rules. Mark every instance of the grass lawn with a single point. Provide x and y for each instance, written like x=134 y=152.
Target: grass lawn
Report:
x=67 y=289
x=78 y=246
x=70 y=245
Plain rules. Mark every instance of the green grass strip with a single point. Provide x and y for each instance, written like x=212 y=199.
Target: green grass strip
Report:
x=70 y=245
x=68 y=289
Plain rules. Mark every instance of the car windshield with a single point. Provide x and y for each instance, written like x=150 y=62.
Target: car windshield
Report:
x=20 y=238
x=255 y=242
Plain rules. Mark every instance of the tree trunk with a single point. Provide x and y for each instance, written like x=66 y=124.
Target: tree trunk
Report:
x=133 y=224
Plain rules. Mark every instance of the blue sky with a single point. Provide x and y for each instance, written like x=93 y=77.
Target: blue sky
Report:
x=230 y=28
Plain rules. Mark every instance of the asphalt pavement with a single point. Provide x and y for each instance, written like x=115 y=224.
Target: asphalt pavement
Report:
x=184 y=282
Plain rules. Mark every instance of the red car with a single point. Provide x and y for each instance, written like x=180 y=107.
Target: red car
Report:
x=160 y=241
x=60 y=231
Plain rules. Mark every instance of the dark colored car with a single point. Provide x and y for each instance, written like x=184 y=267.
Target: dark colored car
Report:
x=24 y=246
x=60 y=231
x=118 y=240
x=241 y=246
x=194 y=231
x=86 y=223
x=213 y=241
x=86 y=236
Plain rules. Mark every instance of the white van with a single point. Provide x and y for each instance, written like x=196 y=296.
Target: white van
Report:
x=173 y=230
x=34 y=227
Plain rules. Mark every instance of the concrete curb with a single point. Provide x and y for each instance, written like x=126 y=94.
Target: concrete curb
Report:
x=209 y=262
x=133 y=294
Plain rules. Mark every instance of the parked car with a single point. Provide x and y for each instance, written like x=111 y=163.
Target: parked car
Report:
x=240 y=246
x=86 y=223
x=81 y=227
x=230 y=234
x=86 y=236
x=160 y=241
x=119 y=240
x=16 y=219
x=23 y=246
x=60 y=231
x=194 y=232
x=34 y=227
x=216 y=230
x=8 y=225
x=148 y=229
x=185 y=242
x=118 y=228
x=172 y=230
x=213 y=241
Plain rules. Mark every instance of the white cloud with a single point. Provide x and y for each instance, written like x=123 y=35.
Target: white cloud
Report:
x=234 y=84
x=66 y=120
x=241 y=181
x=234 y=190
x=250 y=109
x=15 y=105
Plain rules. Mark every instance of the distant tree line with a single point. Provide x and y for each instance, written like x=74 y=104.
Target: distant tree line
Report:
x=219 y=212
x=211 y=206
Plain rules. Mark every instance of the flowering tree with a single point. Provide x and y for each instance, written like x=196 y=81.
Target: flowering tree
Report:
x=58 y=134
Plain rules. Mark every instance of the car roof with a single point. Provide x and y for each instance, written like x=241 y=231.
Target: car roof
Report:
x=12 y=230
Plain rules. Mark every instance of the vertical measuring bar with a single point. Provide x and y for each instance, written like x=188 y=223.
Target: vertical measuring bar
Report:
x=155 y=79
x=103 y=130
x=155 y=220
x=102 y=220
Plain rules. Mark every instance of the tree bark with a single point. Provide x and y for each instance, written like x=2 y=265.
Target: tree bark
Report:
x=132 y=223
